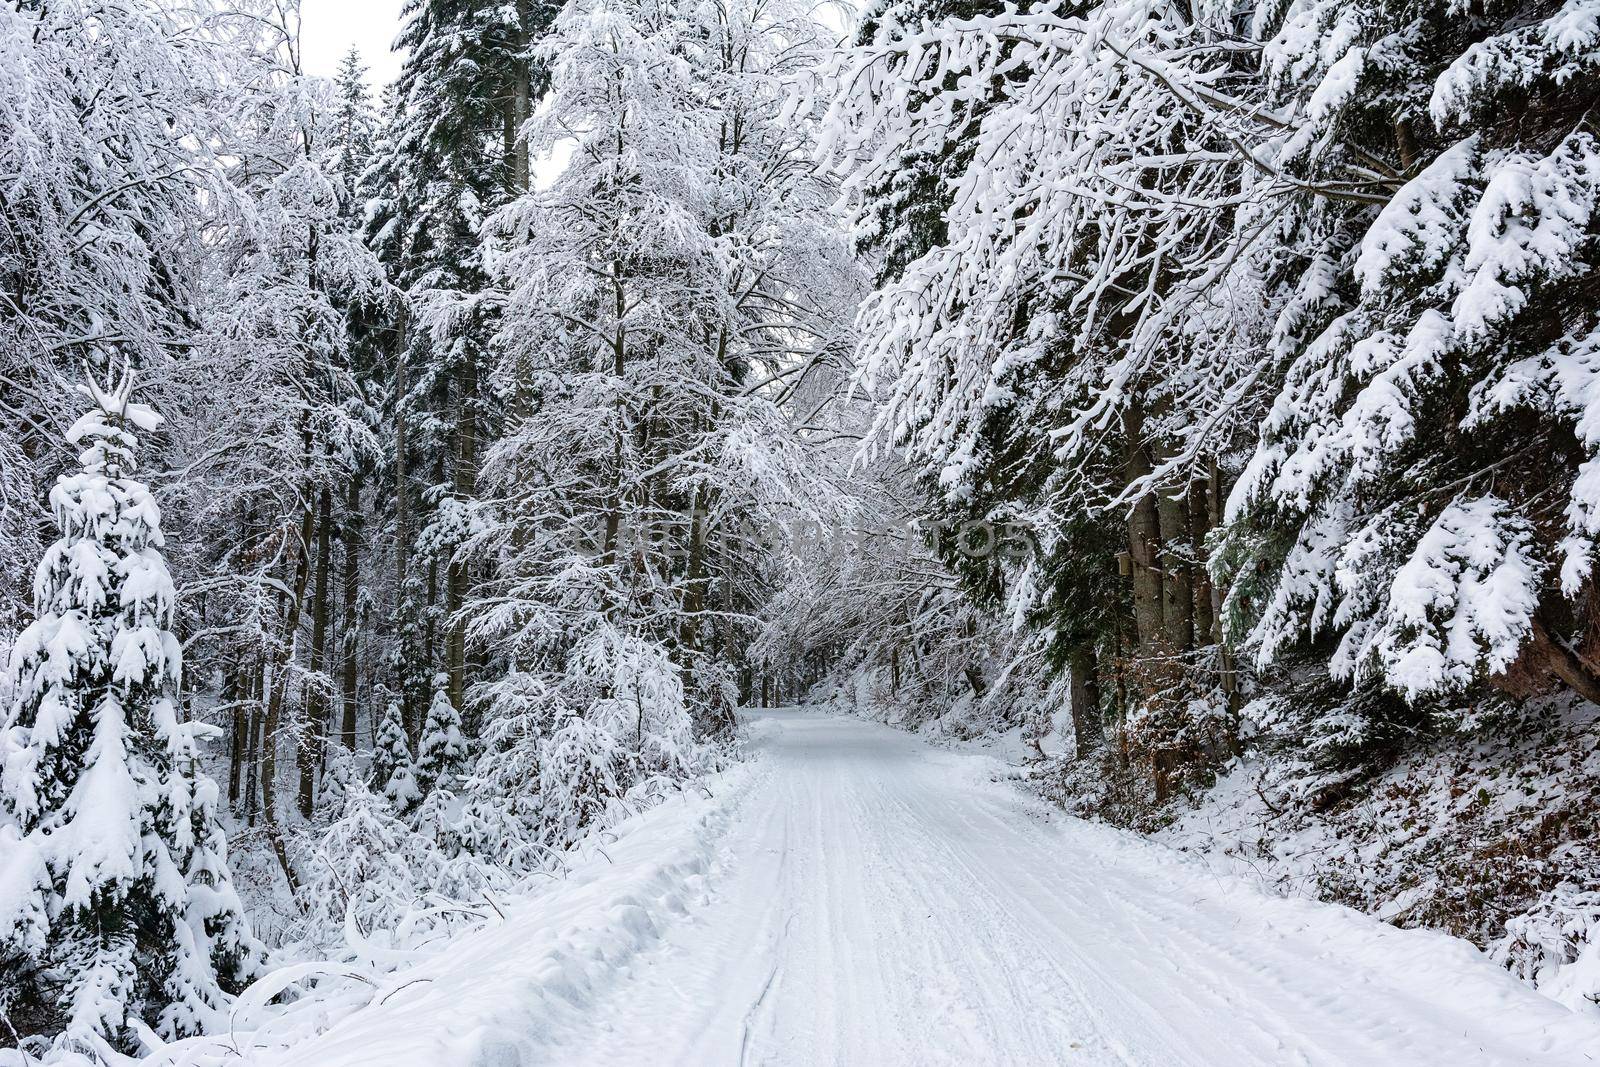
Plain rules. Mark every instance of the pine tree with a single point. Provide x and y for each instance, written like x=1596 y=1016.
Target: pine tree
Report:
x=393 y=772
x=441 y=752
x=119 y=903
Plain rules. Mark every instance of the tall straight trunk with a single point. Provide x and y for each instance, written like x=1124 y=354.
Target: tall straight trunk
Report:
x=465 y=487
x=508 y=134
x=522 y=98
x=1229 y=674
x=694 y=591
x=404 y=533
x=402 y=476
x=316 y=725
x=1123 y=648
x=619 y=364
x=696 y=571
x=275 y=676
x=252 y=787
x=1087 y=732
x=1144 y=541
x=233 y=694
x=254 y=721
x=245 y=676
x=349 y=667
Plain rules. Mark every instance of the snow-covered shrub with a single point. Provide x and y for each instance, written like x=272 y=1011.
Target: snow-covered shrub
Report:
x=1178 y=739
x=340 y=773
x=377 y=878
x=362 y=867
x=1556 y=946
x=499 y=819
x=613 y=732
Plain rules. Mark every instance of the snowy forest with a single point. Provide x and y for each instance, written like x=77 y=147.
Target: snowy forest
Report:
x=406 y=489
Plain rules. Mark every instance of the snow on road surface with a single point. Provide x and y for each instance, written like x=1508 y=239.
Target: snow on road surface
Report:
x=860 y=897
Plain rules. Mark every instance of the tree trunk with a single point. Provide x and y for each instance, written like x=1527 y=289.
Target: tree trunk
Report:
x=250 y=795
x=402 y=477
x=1565 y=664
x=274 y=685
x=1200 y=523
x=522 y=99
x=694 y=592
x=233 y=694
x=1177 y=591
x=1229 y=674
x=466 y=488
x=619 y=362
x=1087 y=732
x=316 y=725
x=252 y=760
x=350 y=667
x=1144 y=542
x=975 y=680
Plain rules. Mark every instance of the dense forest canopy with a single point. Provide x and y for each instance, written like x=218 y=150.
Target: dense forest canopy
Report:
x=1222 y=378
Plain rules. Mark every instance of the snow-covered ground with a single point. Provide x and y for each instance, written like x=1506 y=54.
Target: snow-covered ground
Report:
x=857 y=896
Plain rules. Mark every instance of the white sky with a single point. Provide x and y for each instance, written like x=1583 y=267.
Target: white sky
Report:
x=329 y=27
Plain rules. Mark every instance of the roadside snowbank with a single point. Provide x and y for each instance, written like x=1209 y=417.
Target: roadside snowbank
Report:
x=483 y=997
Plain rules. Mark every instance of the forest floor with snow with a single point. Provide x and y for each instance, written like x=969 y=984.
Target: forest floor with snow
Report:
x=855 y=895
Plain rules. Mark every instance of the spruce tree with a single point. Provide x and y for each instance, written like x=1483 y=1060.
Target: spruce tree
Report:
x=441 y=751
x=393 y=772
x=1419 y=513
x=118 y=904
x=450 y=154
x=354 y=125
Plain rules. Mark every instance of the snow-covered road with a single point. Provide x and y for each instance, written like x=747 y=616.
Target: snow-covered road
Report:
x=867 y=899
x=885 y=902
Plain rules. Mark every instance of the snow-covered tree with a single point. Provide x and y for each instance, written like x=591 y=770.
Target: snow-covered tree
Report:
x=118 y=905
x=269 y=479
x=441 y=751
x=394 y=773
x=1420 y=508
x=1064 y=336
x=665 y=297
x=353 y=125
x=1157 y=217
x=108 y=194
x=451 y=153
